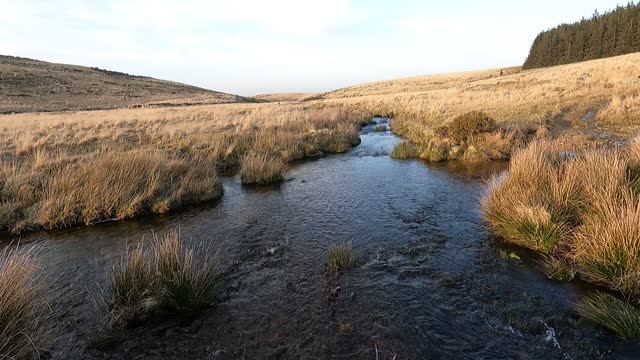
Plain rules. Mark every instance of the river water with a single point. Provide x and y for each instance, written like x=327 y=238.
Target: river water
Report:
x=434 y=283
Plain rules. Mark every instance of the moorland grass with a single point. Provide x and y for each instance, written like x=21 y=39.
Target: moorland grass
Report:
x=65 y=169
x=164 y=278
x=469 y=136
x=555 y=268
x=262 y=169
x=608 y=88
x=23 y=307
x=606 y=310
x=404 y=150
x=581 y=207
x=341 y=257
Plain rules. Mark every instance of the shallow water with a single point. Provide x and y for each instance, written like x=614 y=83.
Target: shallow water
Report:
x=434 y=283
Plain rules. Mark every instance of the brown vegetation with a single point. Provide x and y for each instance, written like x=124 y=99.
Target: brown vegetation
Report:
x=559 y=98
x=581 y=207
x=23 y=307
x=30 y=85
x=167 y=277
x=261 y=169
x=284 y=97
x=58 y=170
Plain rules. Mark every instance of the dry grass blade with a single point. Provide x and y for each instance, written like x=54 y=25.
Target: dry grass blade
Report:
x=23 y=307
x=612 y=313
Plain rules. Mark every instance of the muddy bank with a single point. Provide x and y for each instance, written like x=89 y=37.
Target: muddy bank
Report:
x=433 y=283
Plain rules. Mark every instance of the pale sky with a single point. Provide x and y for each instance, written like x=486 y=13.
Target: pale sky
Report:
x=250 y=47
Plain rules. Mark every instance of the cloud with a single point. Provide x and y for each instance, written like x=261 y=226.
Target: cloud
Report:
x=292 y=17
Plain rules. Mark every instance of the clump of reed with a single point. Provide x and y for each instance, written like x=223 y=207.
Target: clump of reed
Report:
x=618 y=316
x=581 y=208
x=404 y=150
x=262 y=169
x=557 y=268
x=164 y=278
x=23 y=307
x=341 y=257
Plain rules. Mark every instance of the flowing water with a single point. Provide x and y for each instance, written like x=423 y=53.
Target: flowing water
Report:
x=434 y=283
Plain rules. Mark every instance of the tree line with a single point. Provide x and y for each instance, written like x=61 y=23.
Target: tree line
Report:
x=616 y=32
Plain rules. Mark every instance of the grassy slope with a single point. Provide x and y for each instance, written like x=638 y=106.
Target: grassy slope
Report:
x=29 y=85
x=284 y=97
x=592 y=94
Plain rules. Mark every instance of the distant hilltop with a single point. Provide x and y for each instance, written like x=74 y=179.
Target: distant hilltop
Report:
x=28 y=85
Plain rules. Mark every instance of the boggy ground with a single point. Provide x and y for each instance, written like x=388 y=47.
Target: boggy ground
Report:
x=432 y=283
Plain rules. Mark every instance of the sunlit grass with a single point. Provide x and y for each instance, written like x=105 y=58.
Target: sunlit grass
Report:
x=262 y=169
x=23 y=306
x=612 y=313
x=404 y=150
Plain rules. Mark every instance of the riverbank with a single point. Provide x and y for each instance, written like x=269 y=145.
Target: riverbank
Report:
x=63 y=169
x=431 y=281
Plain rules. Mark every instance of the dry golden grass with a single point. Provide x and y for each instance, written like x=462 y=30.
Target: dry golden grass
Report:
x=583 y=207
x=525 y=100
x=22 y=304
x=167 y=277
x=261 y=169
x=284 y=97
x=58 y=170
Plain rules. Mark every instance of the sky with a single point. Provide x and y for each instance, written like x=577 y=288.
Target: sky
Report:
x=250 y=47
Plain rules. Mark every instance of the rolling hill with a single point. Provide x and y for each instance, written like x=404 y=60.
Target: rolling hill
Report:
x=28 y=85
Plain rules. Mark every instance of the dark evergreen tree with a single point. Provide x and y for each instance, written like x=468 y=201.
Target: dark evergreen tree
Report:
x=613 y=33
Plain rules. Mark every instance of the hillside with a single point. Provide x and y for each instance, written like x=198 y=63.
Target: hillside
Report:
x=605 y=89
x=30 y=85
x=283 y=97
x=613 y=33
x=414 y=84
x=590 y=103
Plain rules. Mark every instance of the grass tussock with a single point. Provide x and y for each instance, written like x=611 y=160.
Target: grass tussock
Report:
x=404 y=150
x=582 y=208
x=262 y=169
x=555 y=268
x=164 y=278
x=59 y=170
x=341 y=257
x=470 y=136
x=616 y=315
x=380 y=128
x=23 y=308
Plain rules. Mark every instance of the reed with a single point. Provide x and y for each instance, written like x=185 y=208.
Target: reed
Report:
x=23 y=306
x=165 y=278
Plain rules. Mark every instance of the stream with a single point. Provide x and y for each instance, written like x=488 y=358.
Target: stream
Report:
x=434 y=283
